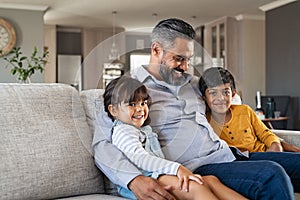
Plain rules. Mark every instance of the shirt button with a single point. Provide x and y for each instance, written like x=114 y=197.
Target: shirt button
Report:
x=227 y=126
x=232 y=138
x=230 y=132
x=245 y=131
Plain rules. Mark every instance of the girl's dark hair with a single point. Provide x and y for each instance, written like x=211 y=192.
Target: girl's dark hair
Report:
x=215 y=76
x=125 y=89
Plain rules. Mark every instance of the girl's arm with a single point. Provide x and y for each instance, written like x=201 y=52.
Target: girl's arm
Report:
x=127 y=139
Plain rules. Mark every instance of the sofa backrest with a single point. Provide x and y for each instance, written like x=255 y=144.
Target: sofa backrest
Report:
x=45 y=143
x=92 y=101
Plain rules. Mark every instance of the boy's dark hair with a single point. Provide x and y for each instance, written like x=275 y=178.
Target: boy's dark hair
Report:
x=125 y=89
x=215 y=76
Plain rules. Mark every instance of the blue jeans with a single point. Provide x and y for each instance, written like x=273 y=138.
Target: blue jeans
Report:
x=124 y=192
x=264 y=176
x=288 y=160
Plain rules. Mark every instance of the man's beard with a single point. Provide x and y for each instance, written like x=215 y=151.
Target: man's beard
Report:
x=170 y=75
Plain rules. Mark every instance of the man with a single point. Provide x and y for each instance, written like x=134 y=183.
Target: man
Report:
x=178 y=116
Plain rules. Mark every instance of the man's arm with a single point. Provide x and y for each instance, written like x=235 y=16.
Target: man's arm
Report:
x=117 y=167
x=107 y=157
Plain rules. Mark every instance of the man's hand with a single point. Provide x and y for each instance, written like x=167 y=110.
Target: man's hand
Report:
x=145 y=188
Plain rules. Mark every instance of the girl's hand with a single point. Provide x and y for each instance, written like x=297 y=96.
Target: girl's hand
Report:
x=184 y=175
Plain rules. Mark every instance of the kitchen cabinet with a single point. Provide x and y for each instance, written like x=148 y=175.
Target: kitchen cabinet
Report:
x=221 y=43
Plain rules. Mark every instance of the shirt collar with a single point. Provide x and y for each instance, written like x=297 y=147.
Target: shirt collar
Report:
x=146 y=128
x=142 y=75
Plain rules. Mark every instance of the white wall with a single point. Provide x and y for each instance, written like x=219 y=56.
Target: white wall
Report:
x=29 y=30
x=50 y=43
x=251 y=53
x=97 y=43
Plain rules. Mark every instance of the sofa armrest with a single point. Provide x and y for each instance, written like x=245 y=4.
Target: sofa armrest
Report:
x=290 y=136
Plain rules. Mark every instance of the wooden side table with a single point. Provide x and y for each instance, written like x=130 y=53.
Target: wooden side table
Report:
x=268 y=121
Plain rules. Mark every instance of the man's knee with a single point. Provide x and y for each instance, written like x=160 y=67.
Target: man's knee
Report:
x=275 y=168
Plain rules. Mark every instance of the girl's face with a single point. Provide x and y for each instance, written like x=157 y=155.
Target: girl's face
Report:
x=133 y=113
x=219 y=98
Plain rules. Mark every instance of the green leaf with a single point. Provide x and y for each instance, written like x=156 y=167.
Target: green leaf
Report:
x=13 y=71
x=20 y=64
x=23 y=58
x=24 y=66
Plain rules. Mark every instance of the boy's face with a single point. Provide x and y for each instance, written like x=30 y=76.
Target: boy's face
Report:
x=219 y=98
x=133 y=113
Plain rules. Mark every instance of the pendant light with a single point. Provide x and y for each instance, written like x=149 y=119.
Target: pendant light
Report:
x=114 y=53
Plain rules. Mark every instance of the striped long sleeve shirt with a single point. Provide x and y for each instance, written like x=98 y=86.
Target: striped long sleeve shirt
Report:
x=134 y=143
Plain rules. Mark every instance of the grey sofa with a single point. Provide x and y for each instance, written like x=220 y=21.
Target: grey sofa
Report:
x=45 y=144
x=46 y=133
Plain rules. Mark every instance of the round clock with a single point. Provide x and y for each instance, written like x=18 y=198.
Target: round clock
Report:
x=7 y=36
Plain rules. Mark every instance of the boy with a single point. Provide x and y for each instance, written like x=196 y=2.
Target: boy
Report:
x=238 y=125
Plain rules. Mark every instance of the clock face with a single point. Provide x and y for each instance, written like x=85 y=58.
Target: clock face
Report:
x=4 y=37
x=7 y=36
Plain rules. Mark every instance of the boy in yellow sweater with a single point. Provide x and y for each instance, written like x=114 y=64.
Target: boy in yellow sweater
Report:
x=238 y=125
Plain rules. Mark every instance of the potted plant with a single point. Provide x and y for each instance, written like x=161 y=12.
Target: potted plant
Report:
x=23 y=65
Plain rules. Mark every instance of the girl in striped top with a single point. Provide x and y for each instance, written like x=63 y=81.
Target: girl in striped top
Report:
x=127 y=102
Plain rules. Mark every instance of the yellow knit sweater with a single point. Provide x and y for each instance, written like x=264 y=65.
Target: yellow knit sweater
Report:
x=244 y=130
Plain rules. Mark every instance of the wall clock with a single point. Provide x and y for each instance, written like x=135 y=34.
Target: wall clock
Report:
x=7 y=36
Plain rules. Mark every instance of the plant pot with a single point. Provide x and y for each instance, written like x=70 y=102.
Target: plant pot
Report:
x=27 y=80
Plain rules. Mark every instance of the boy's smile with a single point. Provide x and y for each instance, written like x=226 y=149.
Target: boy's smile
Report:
x=219 y=98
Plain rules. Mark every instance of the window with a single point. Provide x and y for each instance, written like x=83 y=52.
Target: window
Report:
x=138 y=59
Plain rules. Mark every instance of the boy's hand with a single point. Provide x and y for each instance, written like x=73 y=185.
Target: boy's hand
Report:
x=184 y=175
x=276 y=147
x=289 y=147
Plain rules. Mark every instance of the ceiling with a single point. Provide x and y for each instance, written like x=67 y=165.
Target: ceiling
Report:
x=137 y=14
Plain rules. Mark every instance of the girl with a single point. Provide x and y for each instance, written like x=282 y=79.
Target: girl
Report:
x=127 y=102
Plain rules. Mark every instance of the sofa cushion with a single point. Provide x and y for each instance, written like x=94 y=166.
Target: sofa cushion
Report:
x=45 y=145
x=92 y=101
x=95 y=197
x=290 y=136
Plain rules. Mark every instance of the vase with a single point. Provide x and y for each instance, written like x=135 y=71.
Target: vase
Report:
x=26 y=81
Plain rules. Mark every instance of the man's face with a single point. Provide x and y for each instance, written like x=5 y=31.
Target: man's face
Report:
x=176 y=61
